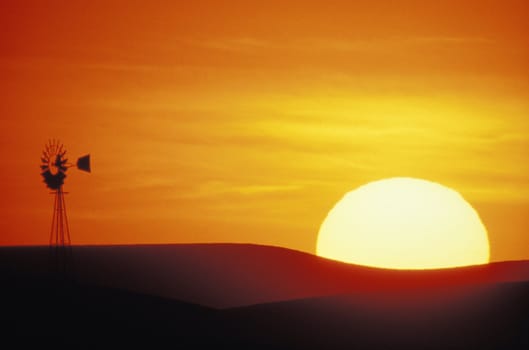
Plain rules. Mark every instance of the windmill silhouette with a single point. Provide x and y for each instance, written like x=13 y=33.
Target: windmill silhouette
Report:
x=54 y=165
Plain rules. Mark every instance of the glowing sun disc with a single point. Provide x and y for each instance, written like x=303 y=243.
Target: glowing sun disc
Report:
x=404 y=223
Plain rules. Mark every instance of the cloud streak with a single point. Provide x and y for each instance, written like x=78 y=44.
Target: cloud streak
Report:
x=220 y=188
x=333 y=44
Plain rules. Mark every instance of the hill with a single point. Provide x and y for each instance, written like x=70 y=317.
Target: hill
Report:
x=233 y=275
x=492 y=316
x=130 y=291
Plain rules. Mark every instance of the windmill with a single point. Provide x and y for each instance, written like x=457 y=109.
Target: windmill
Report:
x=54 y=165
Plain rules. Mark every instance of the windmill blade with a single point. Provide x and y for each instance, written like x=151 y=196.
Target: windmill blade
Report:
x=44 y=160
x=43 y=167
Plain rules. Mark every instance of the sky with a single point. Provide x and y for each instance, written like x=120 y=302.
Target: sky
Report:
x=246 y=121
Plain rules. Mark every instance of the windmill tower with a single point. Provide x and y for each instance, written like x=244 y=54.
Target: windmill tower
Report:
x=54 y=165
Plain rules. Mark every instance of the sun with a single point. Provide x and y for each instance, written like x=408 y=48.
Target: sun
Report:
x=404 y=223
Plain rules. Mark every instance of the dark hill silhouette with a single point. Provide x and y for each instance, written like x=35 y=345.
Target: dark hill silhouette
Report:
x=230 y=275
x=492 y=316
x=129 y=291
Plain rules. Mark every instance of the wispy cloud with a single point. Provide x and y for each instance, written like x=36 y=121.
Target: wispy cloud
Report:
x=335 y=45
x=419 y=40
x=234 y=43
x=219 y=188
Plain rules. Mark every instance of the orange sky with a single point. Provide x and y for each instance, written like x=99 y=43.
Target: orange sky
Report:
x=246 y=121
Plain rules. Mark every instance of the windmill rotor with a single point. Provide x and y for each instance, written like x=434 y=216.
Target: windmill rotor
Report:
x=54 y=164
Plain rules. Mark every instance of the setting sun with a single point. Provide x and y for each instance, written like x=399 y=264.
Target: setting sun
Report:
x=404 y=223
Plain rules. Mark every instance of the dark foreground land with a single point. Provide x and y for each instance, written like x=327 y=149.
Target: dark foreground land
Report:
x=303 y=301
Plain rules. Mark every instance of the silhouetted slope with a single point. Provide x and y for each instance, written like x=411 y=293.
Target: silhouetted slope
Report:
x=116 y=291
x=68 y=309
x=492 y=316
x=228 y=275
